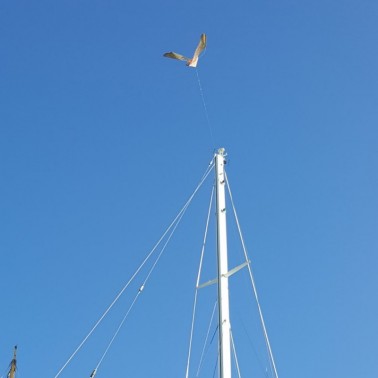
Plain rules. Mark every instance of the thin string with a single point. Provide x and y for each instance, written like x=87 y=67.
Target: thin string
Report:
x=197 y=283
x=208 y=170
x=141 y=288
x=206 y=338
x=267 y=342
x=205 y=108
x=235 y=356
x=117 y=331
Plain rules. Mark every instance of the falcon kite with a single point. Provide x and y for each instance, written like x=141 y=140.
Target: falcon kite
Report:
x=193 y=61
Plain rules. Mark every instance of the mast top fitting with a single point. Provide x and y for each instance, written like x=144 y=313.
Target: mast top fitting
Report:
x=222 y=152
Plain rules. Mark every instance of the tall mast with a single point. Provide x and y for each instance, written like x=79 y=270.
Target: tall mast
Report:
x=12 y=370
x=223 y=298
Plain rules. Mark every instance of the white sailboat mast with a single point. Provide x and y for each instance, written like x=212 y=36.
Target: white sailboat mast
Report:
x=223 y=297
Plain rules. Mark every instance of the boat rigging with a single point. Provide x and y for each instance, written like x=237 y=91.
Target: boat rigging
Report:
x=226 y=344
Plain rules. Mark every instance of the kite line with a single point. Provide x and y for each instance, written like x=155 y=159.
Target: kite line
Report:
x=205 y=108
x=192 y=62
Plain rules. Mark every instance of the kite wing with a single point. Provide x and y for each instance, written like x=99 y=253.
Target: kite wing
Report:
x=201 y=46
x=174 y=55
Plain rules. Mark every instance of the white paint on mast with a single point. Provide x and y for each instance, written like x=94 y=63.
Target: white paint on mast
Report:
x=223 y=296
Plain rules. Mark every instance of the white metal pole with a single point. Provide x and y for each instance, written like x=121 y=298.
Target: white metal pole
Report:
x=223 y=297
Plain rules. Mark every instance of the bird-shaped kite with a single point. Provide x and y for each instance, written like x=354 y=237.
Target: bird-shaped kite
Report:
x=190 y=62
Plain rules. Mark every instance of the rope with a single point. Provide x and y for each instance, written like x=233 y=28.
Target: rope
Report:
x=118 y=329
x=140 y=290
x=208 y=170
x=205 y=108
x=235 y=356
x=216 y=365
x=270 y=353
x=259 y=360
x=207 y=337
x=197 y=283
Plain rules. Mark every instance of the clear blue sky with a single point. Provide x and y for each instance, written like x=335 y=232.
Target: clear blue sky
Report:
x=102 y=140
